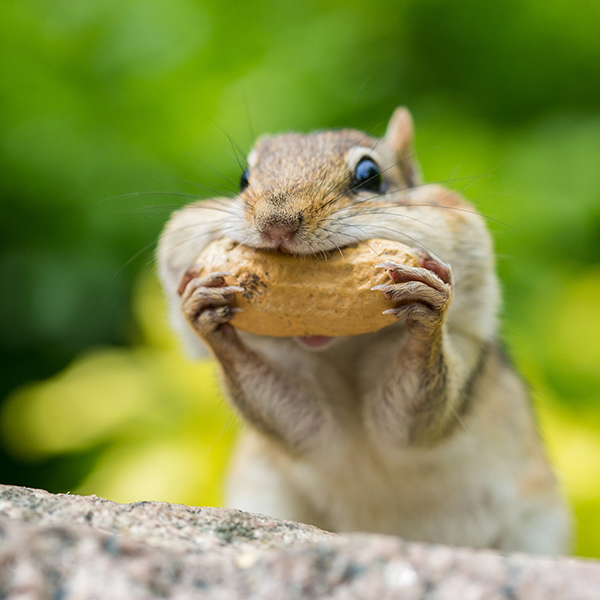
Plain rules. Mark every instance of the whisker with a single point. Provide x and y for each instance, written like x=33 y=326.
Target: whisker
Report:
x=167 y=210
x=216 y=171
x=459 y=418
x=133 y=258
x=248 y=117
x=465 y=210
x=441 y=206
x=358 y=240
x=335 y=184
x=215 y=208
x=379 y=195
x=153 y=206
x=219 y=192
x=383 y=211
x=235 y=146
x=212 y=226
x=360 y=89
x=392 y=191
x=140 y=194
x=235 y=151
x=338 y=235
x=396 y=231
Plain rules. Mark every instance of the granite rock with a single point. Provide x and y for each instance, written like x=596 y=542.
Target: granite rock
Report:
x=65 y=547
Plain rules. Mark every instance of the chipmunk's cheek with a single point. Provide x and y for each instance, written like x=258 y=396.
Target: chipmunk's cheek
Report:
x=315 y=342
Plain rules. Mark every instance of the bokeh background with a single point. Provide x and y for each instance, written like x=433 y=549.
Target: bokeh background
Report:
x=113 y=113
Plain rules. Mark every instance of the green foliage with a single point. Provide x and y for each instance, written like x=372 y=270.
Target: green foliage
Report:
x=103 y=102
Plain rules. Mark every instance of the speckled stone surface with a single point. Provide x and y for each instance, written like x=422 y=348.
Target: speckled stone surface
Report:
x=63 y=547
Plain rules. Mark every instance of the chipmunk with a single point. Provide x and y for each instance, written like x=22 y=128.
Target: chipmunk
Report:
x=422 y=429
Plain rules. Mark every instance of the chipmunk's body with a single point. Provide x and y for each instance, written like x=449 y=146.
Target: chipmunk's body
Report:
x=421 y=429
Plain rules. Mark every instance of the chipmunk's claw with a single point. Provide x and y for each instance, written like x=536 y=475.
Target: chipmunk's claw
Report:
x=420 y=294
x=207 y=302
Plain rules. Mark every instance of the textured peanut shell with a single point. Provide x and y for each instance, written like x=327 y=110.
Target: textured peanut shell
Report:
x=287 y=295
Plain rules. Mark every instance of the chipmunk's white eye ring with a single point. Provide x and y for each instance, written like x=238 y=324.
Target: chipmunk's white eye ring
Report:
x=244 y=183
x=367 y=176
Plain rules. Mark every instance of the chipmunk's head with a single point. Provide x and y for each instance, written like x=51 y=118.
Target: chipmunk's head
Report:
x=296 y=187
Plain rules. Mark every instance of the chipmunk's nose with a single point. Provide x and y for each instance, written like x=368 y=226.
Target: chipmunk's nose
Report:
x=278 y=231
x=278 y=234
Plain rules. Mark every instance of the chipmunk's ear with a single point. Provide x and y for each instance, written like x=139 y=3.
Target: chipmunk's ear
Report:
x=399 y=137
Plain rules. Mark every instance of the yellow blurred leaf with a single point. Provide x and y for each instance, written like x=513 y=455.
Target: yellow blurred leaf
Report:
x=187 y=468
x=84 y=404
x=150 y=308
x=575 y=327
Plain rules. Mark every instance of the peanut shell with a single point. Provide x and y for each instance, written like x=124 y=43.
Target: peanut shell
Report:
x=304 y=295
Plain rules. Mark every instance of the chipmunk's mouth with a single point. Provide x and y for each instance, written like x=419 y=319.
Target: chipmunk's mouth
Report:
x=314 y=342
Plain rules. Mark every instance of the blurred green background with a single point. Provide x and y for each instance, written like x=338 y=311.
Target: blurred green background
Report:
x=104 y=101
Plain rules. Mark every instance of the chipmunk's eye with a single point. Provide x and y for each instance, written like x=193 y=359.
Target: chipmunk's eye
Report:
x=367 y=176
x=244 y=180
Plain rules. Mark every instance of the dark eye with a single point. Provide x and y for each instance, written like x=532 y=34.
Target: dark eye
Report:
x=244 y=180
x=367 y=176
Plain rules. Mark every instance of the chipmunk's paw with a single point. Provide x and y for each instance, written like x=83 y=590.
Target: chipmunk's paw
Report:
x=207 y=302
x=421 y=295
